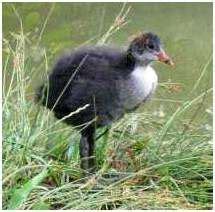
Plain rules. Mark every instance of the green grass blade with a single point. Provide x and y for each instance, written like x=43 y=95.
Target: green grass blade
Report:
x=20 y=195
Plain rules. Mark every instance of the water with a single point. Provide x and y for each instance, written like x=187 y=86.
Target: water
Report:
x=185 y=28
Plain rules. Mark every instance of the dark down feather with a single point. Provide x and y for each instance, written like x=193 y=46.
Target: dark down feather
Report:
x=87 y=78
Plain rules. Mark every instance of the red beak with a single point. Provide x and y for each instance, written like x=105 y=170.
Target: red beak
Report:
x=164 y=58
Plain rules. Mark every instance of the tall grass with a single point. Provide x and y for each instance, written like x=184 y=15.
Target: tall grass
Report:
x=147 y=161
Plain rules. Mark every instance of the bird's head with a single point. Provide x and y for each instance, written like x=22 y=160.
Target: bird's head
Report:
x=146 y=48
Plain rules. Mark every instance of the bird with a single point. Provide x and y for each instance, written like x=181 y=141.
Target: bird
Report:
x=94 y=86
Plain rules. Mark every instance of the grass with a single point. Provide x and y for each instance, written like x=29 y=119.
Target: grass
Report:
x=169 y=166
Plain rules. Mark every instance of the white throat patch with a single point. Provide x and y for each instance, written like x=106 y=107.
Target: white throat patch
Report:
x=145 y=79
x=138 y=87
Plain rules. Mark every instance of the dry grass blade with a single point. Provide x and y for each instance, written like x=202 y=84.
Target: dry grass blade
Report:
x=204 y=69
x=118 y=23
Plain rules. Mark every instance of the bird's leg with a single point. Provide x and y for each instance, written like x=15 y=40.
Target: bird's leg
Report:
x=87 y=150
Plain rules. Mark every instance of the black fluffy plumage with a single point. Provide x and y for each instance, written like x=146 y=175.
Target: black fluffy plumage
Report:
x=88 y=77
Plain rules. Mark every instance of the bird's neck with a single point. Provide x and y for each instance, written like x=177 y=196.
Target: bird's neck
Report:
x=132 y=62
x=144 y=63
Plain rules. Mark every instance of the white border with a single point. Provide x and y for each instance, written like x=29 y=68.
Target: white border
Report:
x=173 y=1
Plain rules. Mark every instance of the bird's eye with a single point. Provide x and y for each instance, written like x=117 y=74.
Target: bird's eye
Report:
x=151 y=46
